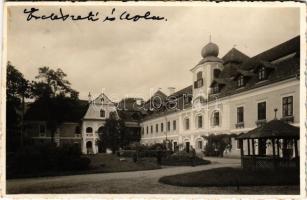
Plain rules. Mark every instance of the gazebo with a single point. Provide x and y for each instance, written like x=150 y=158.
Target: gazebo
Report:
x=274 y=145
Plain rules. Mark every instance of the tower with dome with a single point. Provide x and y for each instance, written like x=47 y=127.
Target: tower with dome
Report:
x=208 y=68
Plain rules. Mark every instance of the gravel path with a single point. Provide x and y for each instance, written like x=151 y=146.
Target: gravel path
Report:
x=140 y=182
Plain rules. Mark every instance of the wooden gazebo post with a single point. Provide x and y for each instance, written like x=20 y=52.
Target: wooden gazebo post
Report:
x=278 y=147
x=248 y=147
x=274 y=157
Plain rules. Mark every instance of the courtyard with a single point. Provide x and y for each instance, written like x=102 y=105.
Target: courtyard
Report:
x=138 y=182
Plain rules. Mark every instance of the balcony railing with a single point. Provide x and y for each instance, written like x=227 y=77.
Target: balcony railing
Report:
x=288 y=119
x=89 y=135
x=260 y=122
x=240 y=125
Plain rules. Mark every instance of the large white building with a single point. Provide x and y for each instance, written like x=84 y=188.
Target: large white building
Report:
x=228 y=95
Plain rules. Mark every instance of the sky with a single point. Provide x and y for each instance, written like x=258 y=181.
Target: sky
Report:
x=123 y=58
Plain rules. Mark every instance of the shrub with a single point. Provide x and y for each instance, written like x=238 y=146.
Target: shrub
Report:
x=36 y=159
x=182 y=158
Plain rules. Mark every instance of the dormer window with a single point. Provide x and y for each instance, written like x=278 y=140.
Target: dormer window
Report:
x=240 y=81
x=261 y=74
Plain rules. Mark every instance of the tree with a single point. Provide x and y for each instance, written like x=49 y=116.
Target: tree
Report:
x=52 y=90
x=51 y=83
x=116 y=135
x=112 y=133
x=16 y=91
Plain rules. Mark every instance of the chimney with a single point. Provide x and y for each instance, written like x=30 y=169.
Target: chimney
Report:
x=171 y=90
x=89 y=97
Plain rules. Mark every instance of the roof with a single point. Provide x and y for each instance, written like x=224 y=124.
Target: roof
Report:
x=236 y=63
x=282 y=70
x=234 y=55
x=273 y=129
x=64 y=110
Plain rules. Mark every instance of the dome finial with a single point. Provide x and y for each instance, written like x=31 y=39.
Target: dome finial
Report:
x=210 y=49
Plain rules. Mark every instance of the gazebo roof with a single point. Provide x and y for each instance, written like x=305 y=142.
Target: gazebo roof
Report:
x=273 y=129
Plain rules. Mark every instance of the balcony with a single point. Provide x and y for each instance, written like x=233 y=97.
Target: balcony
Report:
x=288 y=119
x=240 y=125
x=260 y=122
x=89 y=135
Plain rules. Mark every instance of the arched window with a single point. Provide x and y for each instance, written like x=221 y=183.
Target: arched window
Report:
x=216 y=118
x=102 y=113
x=199 y=80
x=199 y=121
x=100 y=129
x=89 y=130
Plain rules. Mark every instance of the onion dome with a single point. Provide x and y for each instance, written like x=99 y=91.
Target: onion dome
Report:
x=210 y=49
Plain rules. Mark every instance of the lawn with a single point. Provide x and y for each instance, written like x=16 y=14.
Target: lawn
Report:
x=100 y=163
x=103 y=163
x=227 y=176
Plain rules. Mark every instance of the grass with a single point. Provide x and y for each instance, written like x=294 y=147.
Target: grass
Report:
x=103 y=163
x=227 y=176
x=100 y=163
x=184 y=161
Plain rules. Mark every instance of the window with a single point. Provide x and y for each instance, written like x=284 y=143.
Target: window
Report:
x=215 y=89
x=168 y=126
x=199 y=81
x=216 y=73
x=199 y=144
x=146 y=129
x=261 y=74
x=240 y=81
x=89 y=130
x=200 y=121
x=262 y=111
x=187 y=123
x=174 y=125
x=157 y=128
x=287 y=106
x=239 y=144
x=162 y=127
x=151 y=129
x=42 y=129
x=240 y=114
x=199 y=75
x=175 y=146
x=216 y=118
x=102 y=113
x=77 y=130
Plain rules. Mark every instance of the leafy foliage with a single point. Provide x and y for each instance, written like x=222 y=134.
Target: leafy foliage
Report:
x=116 y=135
x=51 y=83
x=217 y=144
x=17 y=90
x=40 y=159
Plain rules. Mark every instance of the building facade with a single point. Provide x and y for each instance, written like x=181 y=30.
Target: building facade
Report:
x=229 y=95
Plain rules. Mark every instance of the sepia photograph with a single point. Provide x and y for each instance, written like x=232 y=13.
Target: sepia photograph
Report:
x=154 y=98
